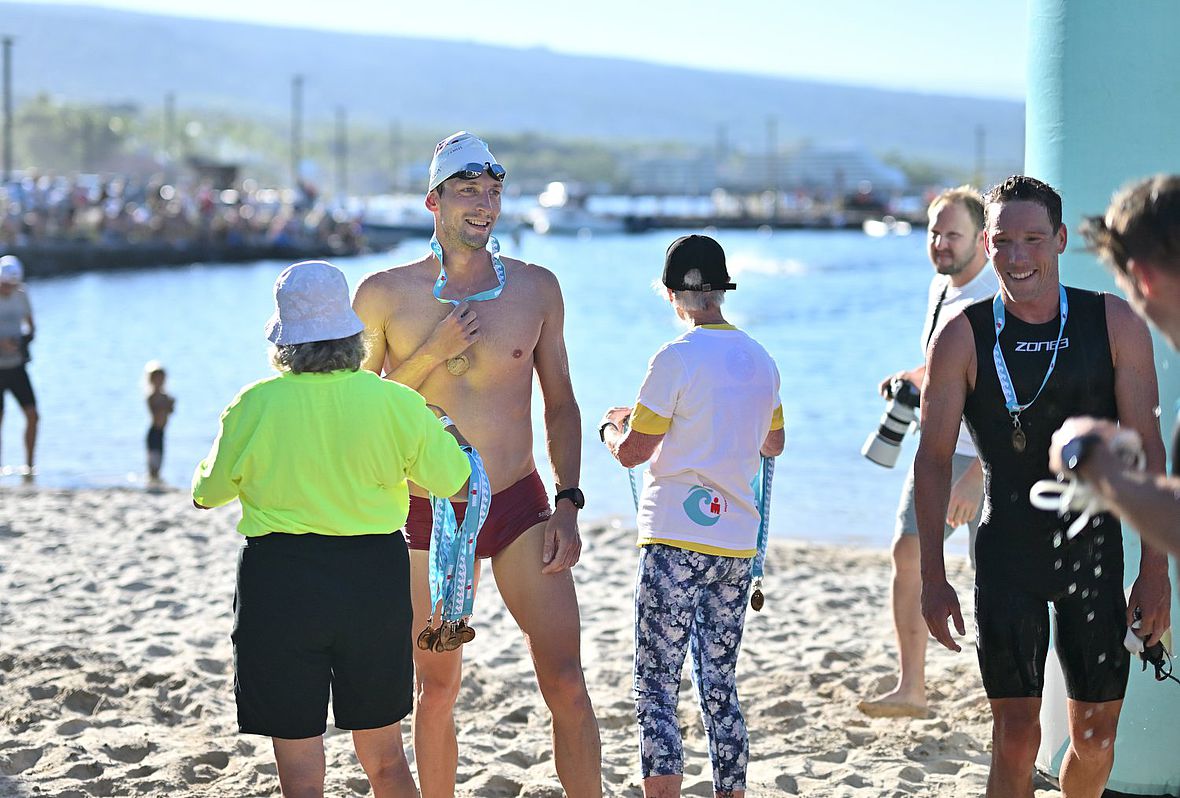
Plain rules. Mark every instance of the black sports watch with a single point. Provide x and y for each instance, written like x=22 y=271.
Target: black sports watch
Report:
x=1076 y=450
x=602 y=429
x=575 y=495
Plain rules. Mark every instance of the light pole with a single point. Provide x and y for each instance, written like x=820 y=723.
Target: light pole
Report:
x=7 y=43
x=341 y=152
x=772 y=163
x=169 y=123
x=296 y=127
x=980 y=157
x=395 y=155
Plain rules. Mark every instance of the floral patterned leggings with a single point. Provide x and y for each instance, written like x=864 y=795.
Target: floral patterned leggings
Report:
x=684 y=597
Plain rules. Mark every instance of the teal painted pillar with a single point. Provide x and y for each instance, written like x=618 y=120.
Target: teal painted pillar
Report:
x=1103 y=109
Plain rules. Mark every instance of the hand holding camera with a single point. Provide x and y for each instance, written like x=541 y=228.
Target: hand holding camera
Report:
x=885 y=389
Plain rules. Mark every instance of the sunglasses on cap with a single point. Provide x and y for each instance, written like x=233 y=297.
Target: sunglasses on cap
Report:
x=472 y=171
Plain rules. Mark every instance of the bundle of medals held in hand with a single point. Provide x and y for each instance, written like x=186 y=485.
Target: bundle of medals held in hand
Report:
x=447 y=637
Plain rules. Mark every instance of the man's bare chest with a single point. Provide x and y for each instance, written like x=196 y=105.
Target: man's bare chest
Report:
x=508 y=329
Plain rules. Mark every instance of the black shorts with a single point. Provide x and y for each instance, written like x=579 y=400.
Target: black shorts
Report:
x=1012 y=620
x=155 y=439
x=315 y=614
x=16 y=380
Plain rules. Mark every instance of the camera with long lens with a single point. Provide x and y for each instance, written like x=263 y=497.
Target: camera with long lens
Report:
x=884 y=445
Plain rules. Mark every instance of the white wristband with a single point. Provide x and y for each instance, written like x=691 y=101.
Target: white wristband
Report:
x=446 y=421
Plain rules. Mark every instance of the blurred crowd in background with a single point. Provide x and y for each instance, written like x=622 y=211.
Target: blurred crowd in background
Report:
x=119 y=211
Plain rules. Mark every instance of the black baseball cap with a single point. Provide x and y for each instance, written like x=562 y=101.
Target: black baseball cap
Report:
x=701 y=253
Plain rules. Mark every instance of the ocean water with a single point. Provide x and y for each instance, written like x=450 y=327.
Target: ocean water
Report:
x=837 y=310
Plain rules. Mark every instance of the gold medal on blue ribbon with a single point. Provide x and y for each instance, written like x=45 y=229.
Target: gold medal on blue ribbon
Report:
x=458 y=365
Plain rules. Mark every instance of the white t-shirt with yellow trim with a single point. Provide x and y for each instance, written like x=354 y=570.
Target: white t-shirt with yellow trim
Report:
x=714 y=395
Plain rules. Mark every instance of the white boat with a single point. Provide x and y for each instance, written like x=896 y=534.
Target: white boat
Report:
x=559 y=212
x=388 y=220
x=886 y=226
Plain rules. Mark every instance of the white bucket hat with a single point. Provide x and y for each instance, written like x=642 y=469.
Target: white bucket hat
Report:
x=11 y=269
x=460 y=152
x=311 y=304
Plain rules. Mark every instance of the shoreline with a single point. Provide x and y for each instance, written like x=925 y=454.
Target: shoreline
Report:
x=116 y=668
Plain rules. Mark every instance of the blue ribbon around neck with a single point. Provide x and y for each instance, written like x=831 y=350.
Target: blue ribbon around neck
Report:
x=452 y=545
x=1010 y=402
x=440 y=283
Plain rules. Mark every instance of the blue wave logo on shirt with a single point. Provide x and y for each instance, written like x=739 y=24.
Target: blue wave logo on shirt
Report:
x=704 y=506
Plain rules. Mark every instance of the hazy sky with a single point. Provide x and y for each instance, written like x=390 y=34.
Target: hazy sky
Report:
x=923 y=45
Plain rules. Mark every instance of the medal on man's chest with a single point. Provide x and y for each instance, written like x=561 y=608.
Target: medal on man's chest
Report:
x=458 y=365
x=1019 y=440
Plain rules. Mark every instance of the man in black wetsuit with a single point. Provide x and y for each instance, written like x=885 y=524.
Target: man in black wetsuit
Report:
x=1016 y=368
x=1139 y=239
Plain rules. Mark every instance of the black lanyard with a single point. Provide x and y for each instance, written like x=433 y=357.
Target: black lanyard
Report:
x=937 y=309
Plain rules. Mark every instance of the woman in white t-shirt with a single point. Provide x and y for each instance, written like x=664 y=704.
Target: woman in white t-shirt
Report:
x=706 y=413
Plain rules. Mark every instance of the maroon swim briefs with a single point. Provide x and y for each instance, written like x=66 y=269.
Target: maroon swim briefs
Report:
x=514 y=511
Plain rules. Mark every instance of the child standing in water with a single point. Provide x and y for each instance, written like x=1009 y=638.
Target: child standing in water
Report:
x=160 y=407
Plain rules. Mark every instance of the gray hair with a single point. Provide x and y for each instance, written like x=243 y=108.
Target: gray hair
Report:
x=696 y=301
x=338 y=354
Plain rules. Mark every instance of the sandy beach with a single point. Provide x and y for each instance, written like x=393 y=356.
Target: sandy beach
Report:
x=116 y=669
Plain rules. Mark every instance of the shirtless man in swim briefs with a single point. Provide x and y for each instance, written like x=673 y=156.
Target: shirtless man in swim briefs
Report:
x=475 y=359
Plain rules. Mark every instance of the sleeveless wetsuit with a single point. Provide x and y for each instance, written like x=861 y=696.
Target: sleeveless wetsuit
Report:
x=1022 y=556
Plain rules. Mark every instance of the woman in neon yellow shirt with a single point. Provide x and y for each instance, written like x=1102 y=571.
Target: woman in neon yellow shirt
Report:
x=318 y=455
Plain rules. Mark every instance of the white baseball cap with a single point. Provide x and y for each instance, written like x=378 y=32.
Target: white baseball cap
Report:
x=311 y=304
x=462 y=152
x=11 y=269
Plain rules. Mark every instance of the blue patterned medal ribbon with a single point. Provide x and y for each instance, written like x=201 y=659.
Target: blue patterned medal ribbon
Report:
x=1013 y=405
x=452 y=545
x=762 y=483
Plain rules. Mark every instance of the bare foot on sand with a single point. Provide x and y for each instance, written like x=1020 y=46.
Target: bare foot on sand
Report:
x=894 y=705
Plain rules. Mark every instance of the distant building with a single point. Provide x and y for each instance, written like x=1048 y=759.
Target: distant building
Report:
x=672 y=174
x=832 y=170
x=814 y=170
